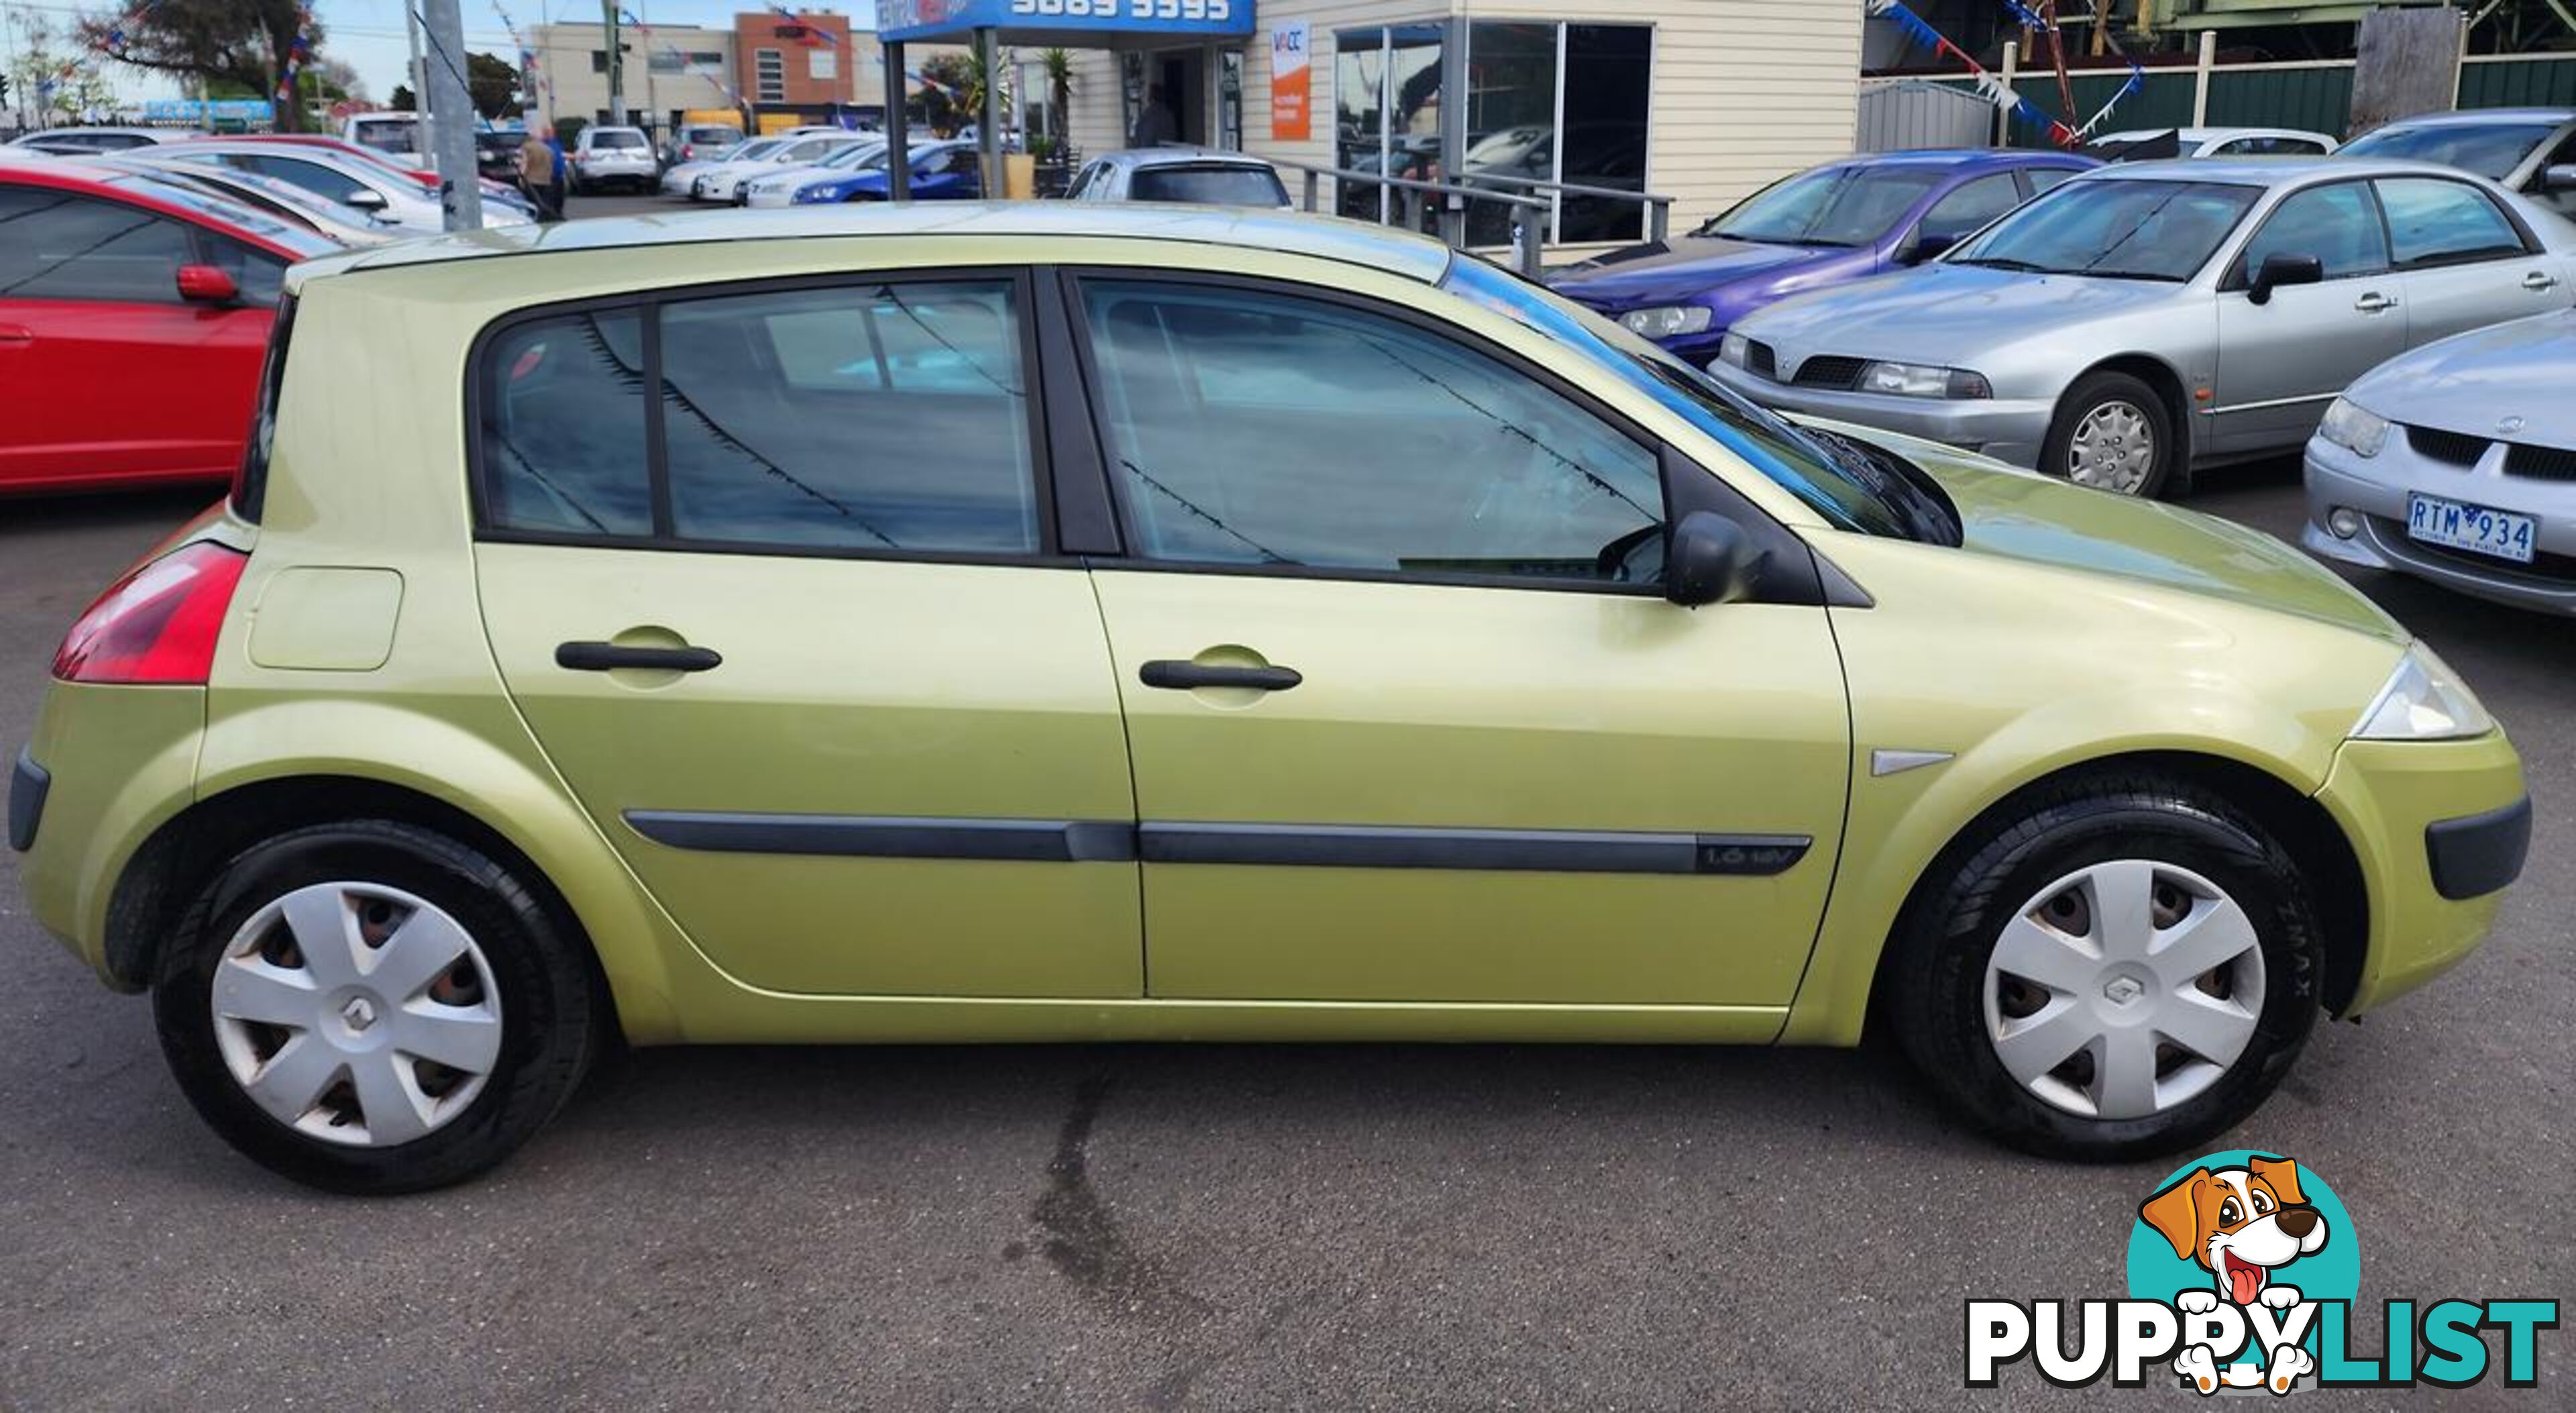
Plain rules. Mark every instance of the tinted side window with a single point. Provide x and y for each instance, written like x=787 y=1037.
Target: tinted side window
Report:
x=1971 y=206
x=312 y=176
x=872 y=417
x=2338 y=224
x=259 y=275
x=57 y=246
x=1258 y=428
x=563 y=426
x=2042 y=178
x=2434 y=222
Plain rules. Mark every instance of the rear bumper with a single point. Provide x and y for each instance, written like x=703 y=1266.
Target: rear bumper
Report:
x=2439 y=828
x=2008 y=430
x=118 y=763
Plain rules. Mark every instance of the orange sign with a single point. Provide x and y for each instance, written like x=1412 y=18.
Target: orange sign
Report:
x=1291 y=85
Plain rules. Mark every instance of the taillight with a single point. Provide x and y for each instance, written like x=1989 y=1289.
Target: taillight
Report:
x=158 y=623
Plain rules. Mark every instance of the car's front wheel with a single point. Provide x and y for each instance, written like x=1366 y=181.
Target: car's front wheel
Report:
x=2109 y=968
x=370 y=1007
x=2114 y=433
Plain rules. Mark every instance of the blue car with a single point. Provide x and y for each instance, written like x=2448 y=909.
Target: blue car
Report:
x=1824 y=226
x=941 y=171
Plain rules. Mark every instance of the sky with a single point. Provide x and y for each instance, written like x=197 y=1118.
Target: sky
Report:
x=368 y=34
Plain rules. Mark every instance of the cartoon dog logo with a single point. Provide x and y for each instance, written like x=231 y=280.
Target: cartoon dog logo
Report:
x=2241 y=1225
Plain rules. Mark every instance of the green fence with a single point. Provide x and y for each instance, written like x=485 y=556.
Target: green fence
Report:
x=2313 y=98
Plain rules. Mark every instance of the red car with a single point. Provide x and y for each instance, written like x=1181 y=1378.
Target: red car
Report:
x=133 y=315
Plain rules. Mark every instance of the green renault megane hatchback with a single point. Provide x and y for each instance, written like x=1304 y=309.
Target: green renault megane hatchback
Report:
x=1056 y=623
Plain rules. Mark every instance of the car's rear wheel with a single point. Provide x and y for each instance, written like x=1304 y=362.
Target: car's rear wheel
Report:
x=2108 y=968
x=373 y=1008
x=2113 y=433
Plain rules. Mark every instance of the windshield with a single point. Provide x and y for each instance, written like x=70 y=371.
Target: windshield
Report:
x=387 y=134
x=2137 y=230
x=1848 y=490
x=710 y=135
x=1848 y=205
x=1209 y=186
x=620 y=138
x=2492 y=150
x=859 y=155
x=755 y=149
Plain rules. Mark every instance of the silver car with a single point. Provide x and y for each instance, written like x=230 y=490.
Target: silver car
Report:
x=2528 y=150
x=606 y=156
x=722 y=181
x=2139 y=322
x=2457 y=463
x=1182 y=174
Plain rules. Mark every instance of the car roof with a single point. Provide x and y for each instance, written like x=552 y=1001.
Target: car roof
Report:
x=1183 y=157
x=2208 y=134
x=1964 y=157
x=2472 y=117
x=2269 y=171
x=1376 y=247
x=126 y=129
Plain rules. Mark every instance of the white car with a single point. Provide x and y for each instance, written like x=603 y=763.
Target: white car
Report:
x=2219 y=142
x=780 y=189
x=358 y=185
x=611 y=156
x=720 y=183
x=401 y=136
x=1181 y=174
x=91 y=141
x=677 y=178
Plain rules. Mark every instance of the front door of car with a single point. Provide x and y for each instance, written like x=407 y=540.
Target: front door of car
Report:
x=110 y=374
x=768 y=575
x=2280 y=362
x=2467 y=264
x=1410 y=720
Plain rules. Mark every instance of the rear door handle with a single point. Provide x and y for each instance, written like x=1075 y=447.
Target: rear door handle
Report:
x=2538 y=282
x=1183 y=676
x=611 y=657
x=2374 y=302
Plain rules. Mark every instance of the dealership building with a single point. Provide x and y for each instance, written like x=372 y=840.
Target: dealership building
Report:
x=1700 y=100
x=809 y=67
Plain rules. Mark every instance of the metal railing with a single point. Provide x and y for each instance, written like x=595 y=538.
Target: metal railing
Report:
x=1659 y=207
x=1529 y=224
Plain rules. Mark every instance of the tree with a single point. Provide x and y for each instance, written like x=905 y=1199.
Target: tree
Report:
x=404 y=100
x=949 y=84
x=492 y=84
x=64 y=85
x=240 y=41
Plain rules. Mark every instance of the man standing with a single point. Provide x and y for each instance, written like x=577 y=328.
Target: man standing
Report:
x=537 y=175
x=1154 y=126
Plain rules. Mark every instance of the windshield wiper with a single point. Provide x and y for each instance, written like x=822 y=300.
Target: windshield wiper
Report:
x=2006 y=262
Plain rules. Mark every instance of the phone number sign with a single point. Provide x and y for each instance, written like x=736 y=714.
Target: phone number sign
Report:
x=903 y=21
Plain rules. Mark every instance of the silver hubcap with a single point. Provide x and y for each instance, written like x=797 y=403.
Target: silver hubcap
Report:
x=357 y=1014
x=2124 y=989
x=2113 y=449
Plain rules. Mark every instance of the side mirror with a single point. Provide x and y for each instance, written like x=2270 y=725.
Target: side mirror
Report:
x=365 y=200
x=1710 y=561
x=204 y=284
x=1927 y=246
x=2561 y=177
x=2285 y=269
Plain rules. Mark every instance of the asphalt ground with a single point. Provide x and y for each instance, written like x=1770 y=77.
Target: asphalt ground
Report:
x=1346 y=1227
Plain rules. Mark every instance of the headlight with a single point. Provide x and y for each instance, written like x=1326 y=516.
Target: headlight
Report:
x=2356 y=431
x=1922 y=380
x=1733 y=349
x=2423 y=701
x=814 y=194
x=1667 y=321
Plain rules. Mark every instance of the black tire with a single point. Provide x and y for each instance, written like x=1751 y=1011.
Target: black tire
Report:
x=553 y=1021
x=1935 y=984
x=2169 y=474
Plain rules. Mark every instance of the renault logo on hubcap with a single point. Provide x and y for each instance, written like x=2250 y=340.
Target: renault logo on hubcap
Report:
x=2123 y=990
x=358 y=1013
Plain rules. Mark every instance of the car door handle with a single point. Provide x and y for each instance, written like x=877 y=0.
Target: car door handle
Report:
x=2374 y=302
x=1184 y=676
x=2540 y=282
x=612 y=657
x=16 y=334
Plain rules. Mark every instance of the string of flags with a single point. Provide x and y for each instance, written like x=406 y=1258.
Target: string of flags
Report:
x=811 y=36
x=528 y=58
x=1992 y=88
x=299 y=52
x=2136 y=80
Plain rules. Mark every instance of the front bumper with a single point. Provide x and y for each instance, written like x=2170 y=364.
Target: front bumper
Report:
x=2009 y=430
x=768 y=200
x=2439 y=828
x=2377 y=489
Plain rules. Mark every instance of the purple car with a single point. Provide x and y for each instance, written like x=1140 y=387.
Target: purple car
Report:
x=1841 y=221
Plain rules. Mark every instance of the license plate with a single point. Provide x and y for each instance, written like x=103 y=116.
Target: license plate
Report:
x=2474 y=528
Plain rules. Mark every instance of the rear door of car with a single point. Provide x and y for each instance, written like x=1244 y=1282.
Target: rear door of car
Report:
x=1410 y=717
x=2467 y=262
x=2282 y=361
x=109 y=373
x=772 y=572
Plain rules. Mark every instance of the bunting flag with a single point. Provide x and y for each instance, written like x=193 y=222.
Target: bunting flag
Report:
x=528 y=62
x=2137 y=79
x=1989 y=87
x=299 y=52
